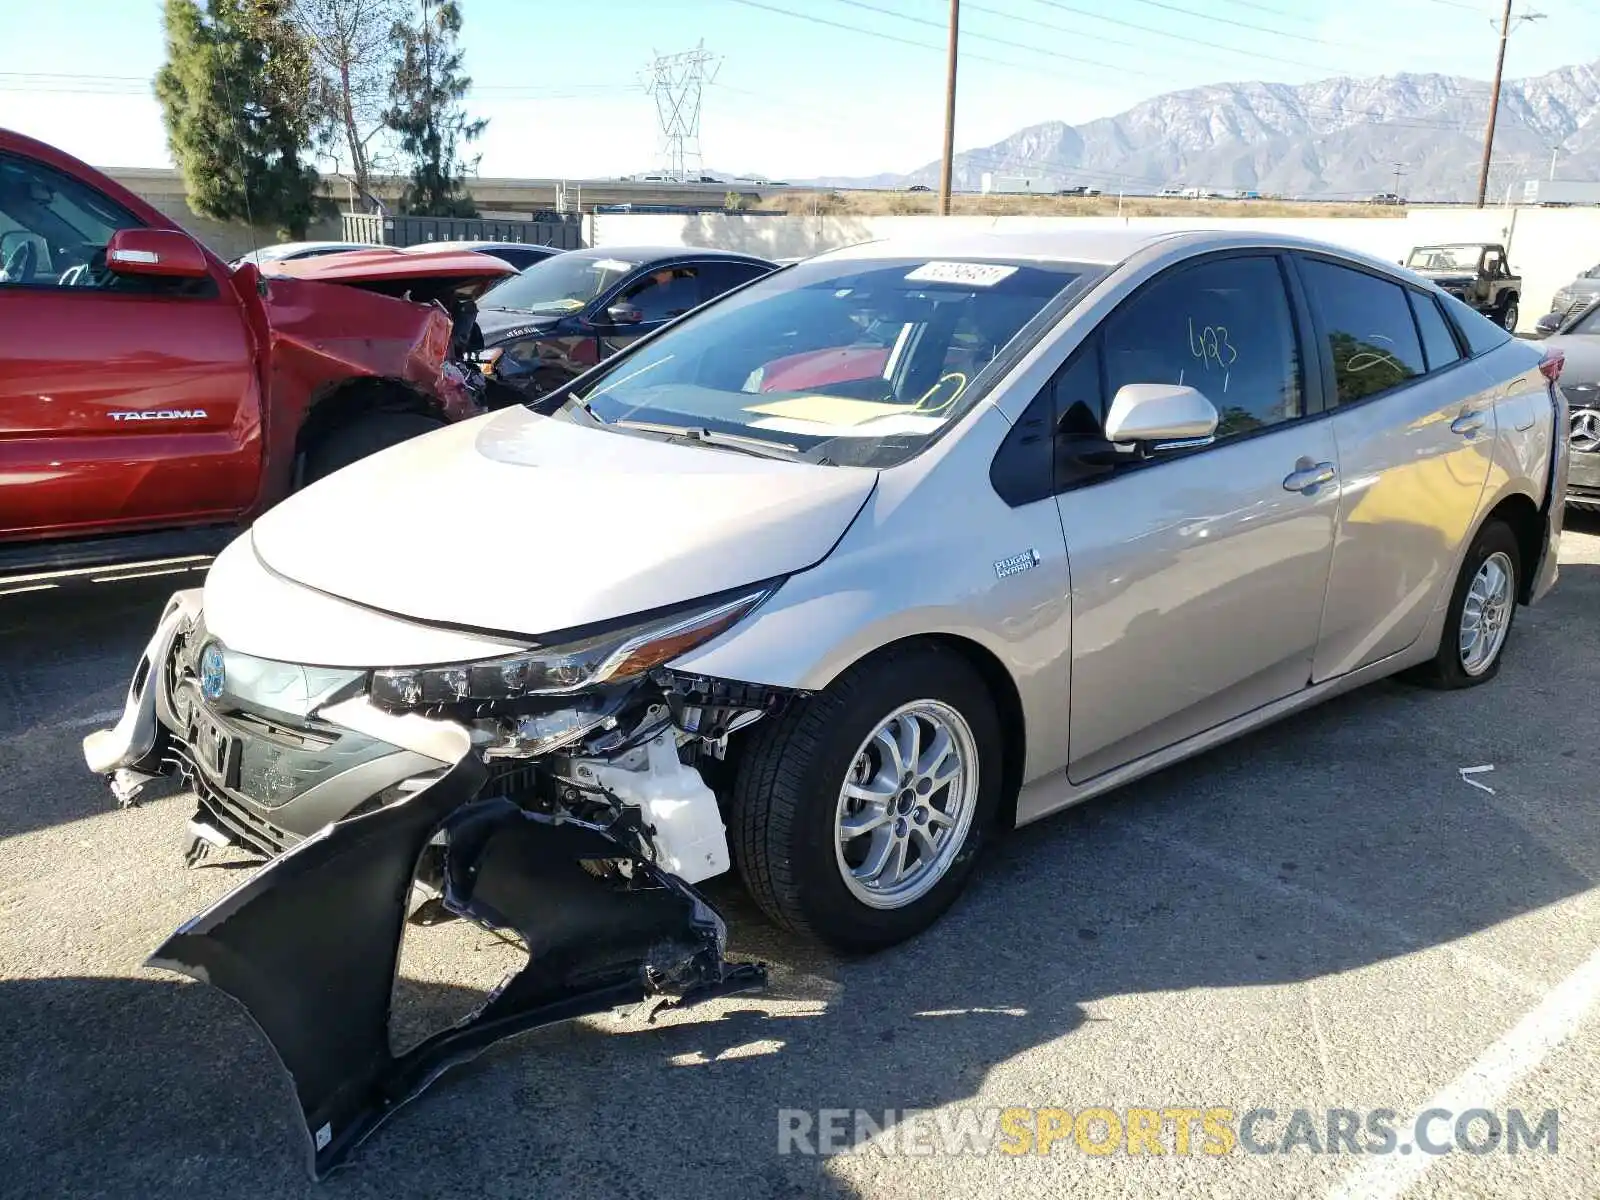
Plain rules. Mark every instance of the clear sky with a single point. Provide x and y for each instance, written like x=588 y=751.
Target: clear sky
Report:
x=857 y=88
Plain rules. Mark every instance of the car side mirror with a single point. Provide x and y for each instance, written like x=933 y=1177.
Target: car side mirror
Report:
x=1548 y=324
x=623 y=314
x=162 y=252
x=1161 y=416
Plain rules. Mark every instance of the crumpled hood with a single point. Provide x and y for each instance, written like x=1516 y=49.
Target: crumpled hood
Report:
x=394 y=269
x=525 y=524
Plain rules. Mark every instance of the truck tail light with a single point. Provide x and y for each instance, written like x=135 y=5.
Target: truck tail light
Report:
x=1551 y=364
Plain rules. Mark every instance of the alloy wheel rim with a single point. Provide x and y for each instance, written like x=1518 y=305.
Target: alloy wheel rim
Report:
x=906 y=804
x=1511 y=317
x=1486 y=614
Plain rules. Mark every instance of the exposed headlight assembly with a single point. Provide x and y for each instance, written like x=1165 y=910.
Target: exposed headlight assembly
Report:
x=282 y=687
x=611 y=657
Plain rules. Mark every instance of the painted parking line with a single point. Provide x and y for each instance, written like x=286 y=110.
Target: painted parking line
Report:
x=1485 y=1083
x=1247 y=872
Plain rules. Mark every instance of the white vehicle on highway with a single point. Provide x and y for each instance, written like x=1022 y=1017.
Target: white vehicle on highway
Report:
x=825 y=582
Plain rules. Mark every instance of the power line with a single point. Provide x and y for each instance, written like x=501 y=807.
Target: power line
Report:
x=1190 y=41
x=1189 y=12
x=1098 y=64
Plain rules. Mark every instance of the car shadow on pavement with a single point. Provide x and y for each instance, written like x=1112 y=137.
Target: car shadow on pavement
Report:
x=1341 y=839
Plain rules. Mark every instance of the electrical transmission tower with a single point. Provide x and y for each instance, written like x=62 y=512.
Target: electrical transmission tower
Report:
x=677 y=81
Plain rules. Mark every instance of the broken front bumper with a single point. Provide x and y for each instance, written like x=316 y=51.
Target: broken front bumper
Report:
x=310 y=944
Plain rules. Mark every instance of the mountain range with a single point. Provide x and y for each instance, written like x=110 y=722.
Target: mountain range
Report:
x=1335 y=138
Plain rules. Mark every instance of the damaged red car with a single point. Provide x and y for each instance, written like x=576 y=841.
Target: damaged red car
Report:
x=153 y=400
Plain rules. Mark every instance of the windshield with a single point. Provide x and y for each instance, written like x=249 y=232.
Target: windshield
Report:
x=1445 y=258
x=857 y=362
x=563 y=283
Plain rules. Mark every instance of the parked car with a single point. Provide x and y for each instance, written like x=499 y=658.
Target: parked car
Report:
x=520 y=255
x=290 y=251
x=152 y=399
x=560 y=317
x=1578 y=341
x=759 y=595
x=1577 y=295
x=919 y=187
x=1386 y=198
x=1476 y=273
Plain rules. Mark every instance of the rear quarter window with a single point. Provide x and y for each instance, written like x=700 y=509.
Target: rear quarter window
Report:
x=1482 y=335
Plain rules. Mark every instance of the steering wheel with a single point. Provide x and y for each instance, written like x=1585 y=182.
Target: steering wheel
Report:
x=21 y=265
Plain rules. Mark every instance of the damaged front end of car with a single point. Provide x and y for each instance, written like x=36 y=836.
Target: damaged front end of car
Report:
x=558 y=797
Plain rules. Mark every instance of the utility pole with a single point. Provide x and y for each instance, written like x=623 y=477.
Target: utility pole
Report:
x=1494 y=96
x=677 y=82
x=1554 y=150
x=1399 y=170
x=948 y=166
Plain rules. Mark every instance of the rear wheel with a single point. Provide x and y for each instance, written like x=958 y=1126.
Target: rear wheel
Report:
x=1482 y=608
x=1508 y=314
x=361 y=436
x=858 y=814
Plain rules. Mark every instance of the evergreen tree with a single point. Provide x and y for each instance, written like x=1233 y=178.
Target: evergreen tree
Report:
x=426 y=113
x=235 y=96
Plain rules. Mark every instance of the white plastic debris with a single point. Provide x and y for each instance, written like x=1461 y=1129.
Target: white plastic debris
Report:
x=1467 y=774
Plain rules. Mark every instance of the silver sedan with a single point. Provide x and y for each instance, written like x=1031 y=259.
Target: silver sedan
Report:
x=824 y=584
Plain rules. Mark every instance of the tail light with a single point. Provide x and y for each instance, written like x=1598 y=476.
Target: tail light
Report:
x=1551 y=364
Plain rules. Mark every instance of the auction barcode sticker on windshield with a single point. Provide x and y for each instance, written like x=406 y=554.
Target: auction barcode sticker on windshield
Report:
x=971 y=274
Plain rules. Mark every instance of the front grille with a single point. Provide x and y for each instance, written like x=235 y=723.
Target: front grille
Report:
x=254 y=832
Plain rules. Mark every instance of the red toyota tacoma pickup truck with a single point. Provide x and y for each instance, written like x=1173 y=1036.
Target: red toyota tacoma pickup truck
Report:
x=153 y=400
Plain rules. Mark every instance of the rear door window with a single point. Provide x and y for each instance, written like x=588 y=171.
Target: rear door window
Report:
x=1368 y=331
x=1438 y=343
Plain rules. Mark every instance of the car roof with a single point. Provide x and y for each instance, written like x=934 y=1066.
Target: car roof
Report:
x=647 y=254
x=1103 y=247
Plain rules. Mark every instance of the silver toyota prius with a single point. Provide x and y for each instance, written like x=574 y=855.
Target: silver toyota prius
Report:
x=823 y=584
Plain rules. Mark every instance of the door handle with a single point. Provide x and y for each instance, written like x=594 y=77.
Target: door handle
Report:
x=1467 y=423
x=1307 y=475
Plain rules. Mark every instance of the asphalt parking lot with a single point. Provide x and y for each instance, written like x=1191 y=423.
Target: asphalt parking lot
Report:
x=1324 y=915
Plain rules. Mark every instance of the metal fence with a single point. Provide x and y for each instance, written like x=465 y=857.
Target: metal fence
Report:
x=565 y=233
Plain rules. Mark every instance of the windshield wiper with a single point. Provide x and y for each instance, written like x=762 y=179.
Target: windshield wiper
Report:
x=710 y=437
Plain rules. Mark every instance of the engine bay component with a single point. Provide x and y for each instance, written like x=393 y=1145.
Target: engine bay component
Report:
x=677 y=810
x=596 y=941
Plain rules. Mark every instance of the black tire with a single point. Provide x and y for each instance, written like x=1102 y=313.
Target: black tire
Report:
x=367 y=434
x=1445 y=670
x=1508 y=314
x=786 y=793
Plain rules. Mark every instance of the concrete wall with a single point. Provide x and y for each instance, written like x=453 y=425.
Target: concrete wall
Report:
x=1548 y=246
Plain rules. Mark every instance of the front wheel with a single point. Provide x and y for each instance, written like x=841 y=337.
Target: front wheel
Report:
x=858 y=814
x=365 y=435
x=1482 y=607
